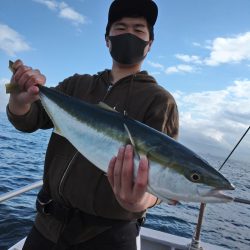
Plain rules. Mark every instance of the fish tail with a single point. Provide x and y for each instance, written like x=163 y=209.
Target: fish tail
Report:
x=11 y=87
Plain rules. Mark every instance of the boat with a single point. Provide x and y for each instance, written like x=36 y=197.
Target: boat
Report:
x=155 y=240
x=148 y=239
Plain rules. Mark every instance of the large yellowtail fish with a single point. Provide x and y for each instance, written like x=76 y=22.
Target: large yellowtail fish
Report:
x=98 y=131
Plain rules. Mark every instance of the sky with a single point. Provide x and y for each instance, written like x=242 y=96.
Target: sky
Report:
x=201 y=54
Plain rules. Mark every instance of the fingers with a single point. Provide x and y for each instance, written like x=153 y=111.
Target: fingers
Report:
x=18 y=73
x=141 y=181
x=127 y=172
x=27 y=77
x=16 y=65
x=33 y=90
x=34 y=78
x=110 y=172
x=129 y=191
x=118 y=170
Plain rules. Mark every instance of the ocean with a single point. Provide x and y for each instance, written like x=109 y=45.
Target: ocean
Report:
x=21 y=163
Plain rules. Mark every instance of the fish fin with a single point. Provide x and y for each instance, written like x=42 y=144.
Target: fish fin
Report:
x=129 y=135
x=57 y=131
x=172 y=202
x=105 y=106
x=12 y=88
x=132 y=141
x=11 y=66
x=169 y=201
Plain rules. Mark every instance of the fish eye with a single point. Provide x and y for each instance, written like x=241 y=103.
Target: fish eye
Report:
x=195 y=177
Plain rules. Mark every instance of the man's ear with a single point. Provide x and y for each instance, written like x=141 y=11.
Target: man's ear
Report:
x=150 y=44
x=107 y=41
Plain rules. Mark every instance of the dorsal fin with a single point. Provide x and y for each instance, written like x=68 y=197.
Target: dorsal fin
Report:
x=105 y=106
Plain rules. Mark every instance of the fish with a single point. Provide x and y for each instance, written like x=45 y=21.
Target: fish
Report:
x=97 y=131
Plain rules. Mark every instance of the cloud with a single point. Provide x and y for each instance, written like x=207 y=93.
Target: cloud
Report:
x=11 y=42
x=70 y=14
x=189 y=59
x=155 y=65
x=229 y=50
x=64 y=11
x=222 y=50
x=196 y=44
x=181 y=68
x=52 y=5
x=3 y=96
x=215 y=119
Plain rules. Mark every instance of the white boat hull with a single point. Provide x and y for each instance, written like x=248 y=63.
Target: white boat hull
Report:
x=155 y=240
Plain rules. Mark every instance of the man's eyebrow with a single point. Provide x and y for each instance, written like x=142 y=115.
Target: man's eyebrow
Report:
x=137 y=25
x=140 y=25
x=120 y=23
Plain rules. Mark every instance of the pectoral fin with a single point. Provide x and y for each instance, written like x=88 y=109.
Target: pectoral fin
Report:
x=129 y=135
x=132 y=142
x=57 y=131
x=169 y=201
x=173 y=202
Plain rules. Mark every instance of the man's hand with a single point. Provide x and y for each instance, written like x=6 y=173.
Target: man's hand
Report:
x=130 y=193
x=26 y=78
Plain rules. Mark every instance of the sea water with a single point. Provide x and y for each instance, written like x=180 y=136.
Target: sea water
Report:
x=21 y=163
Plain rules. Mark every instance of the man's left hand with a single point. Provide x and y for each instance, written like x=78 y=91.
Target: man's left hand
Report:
x=131 y=192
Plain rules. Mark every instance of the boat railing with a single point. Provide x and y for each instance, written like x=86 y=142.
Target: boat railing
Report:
x=150 y=239
x=19 y=191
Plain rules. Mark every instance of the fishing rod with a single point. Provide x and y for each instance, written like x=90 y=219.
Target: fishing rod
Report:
x=236 y=199
x=234 y=148
x=196 y=239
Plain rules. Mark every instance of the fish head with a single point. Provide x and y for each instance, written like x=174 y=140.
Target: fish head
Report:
x=191 y=180
x=206 y=182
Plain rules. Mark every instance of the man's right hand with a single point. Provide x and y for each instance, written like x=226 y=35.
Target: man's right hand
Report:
x=27 y=79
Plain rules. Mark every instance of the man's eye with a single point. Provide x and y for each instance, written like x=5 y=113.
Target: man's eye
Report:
x=120 y=28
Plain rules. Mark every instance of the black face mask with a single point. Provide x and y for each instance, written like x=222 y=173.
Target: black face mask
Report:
x=127 y=48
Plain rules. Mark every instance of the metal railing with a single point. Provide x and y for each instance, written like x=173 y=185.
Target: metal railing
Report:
x=19 y=191
x=150 y=239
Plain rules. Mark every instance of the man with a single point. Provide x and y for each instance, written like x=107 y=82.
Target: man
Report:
x=79 y=207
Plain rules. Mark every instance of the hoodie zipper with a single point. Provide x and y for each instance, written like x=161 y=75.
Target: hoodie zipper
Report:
x=64 y=176
x=110 y=87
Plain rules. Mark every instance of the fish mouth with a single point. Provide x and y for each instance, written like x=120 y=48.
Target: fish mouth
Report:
x=217 y=194
x=229 y=186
